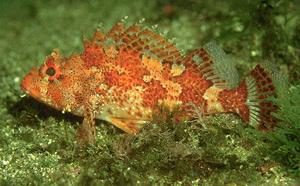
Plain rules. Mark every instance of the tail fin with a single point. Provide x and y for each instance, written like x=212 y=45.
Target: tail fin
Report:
x=261 y=88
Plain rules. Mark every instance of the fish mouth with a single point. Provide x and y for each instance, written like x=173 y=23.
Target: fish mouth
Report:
x=36 y=87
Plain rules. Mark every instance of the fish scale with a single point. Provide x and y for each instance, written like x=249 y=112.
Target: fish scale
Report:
x=126 y=75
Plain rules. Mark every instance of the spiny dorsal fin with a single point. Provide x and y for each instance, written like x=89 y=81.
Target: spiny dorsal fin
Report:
x=98 y=36
x=145 y=41
x=215 y=65
x=116 y=31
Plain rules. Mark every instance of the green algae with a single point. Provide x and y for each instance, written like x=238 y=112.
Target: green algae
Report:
x=37 y=143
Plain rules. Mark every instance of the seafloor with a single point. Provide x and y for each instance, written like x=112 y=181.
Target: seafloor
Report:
x=37 y=145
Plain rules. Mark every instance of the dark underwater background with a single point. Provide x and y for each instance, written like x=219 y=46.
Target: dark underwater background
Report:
x=37 y=145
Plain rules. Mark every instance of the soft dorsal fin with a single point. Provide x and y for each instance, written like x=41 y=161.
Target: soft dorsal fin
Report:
x=214 y=65
x=143 y=40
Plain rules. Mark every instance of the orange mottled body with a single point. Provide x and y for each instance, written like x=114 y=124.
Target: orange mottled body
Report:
x=124 y=76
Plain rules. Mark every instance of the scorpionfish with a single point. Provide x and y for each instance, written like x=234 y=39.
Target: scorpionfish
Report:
x=126 y=75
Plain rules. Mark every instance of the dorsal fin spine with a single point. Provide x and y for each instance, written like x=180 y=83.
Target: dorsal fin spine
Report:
x=144 y=40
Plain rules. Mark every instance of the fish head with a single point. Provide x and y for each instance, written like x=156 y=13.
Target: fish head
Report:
x=55 y=82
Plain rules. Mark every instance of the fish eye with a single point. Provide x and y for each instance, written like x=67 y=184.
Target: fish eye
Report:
x=50 y=71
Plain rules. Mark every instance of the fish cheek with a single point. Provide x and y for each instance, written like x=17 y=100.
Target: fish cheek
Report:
x=54 y=93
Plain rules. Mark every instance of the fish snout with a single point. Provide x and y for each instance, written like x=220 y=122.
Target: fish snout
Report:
x=30 y=83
